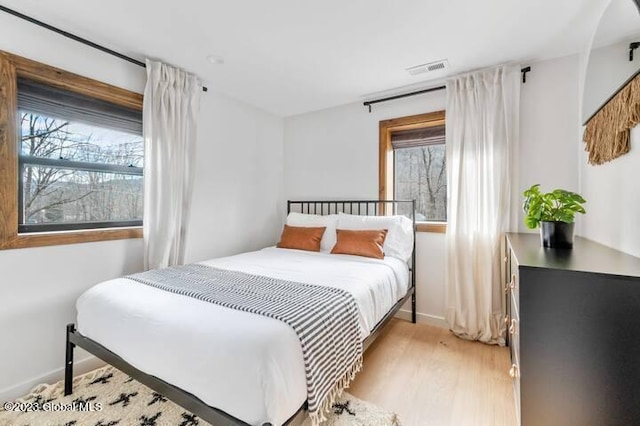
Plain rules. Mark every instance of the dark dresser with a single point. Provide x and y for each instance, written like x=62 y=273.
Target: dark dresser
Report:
x=574 y=333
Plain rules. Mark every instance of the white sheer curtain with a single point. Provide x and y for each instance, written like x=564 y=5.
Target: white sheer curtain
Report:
x=170 y=108
x=482 y=132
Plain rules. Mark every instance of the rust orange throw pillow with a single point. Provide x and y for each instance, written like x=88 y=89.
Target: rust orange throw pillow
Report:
x=360 y=243
x=301 y=238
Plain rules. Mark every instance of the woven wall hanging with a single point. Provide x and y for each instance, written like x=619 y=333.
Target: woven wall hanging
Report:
x=608 y=133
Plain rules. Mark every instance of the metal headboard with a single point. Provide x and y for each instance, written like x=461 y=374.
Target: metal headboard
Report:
x=360 y=207
x=367 y=208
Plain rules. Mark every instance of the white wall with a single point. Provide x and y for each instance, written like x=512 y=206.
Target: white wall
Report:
x=549 y=127
x=334 y=154
x=238 y=199
x=238 y=205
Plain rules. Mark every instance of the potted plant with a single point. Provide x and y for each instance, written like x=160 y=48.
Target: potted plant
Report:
x=555 y=213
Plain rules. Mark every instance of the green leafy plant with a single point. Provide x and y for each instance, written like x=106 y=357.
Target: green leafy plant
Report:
x=555 y=206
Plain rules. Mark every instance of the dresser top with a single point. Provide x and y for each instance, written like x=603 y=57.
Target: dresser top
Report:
x=586 y=256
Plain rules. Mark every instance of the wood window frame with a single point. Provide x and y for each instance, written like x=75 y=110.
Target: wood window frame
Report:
x=387 y=127
x=12 y=67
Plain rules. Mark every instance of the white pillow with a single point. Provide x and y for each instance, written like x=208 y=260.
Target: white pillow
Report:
x=399 y=241
x=315 y=220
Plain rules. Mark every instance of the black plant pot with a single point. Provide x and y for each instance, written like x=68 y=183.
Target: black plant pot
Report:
x=556 y=234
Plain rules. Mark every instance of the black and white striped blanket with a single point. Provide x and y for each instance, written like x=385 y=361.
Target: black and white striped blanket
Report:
x=324 y=318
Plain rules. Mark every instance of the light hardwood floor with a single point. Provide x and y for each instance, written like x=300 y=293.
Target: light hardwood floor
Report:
x=431 y=378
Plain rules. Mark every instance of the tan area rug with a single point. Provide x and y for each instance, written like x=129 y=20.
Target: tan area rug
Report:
x=108 y=397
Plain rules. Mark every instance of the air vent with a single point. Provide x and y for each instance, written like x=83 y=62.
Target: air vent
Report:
x=430 y=67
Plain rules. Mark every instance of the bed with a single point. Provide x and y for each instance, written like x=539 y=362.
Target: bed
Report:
x=257 y=361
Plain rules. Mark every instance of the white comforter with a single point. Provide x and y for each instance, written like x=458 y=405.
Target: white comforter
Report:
x=247 y=365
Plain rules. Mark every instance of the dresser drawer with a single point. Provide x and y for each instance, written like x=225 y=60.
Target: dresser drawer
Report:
x=506 y=277
x=512 y=288
x=511 y=282
x=514 y=372
x=514 y=310
x=512 y=326
x=513 y=330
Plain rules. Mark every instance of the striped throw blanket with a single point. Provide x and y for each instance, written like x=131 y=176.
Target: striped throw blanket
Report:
x=324 y=318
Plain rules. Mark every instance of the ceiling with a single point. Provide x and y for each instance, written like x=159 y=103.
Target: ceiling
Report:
x=294 y=56
x=620 y=22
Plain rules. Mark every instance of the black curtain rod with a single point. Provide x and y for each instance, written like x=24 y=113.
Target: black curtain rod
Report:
x=76 y=38
x=524 y=72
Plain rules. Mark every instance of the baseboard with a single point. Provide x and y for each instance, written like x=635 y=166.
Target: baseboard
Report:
x=423 y=318
x=79 y=367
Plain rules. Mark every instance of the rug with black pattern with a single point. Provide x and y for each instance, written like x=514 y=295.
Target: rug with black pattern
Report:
x=108 y=397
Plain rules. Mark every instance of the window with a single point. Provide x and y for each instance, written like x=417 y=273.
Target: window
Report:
x=71 y=157
x=80 y=161
x=413 y=166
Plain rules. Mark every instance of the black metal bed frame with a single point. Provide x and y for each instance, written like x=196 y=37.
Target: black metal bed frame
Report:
x=192 y=403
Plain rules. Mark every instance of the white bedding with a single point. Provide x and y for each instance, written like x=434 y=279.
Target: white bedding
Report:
x=247 y=365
